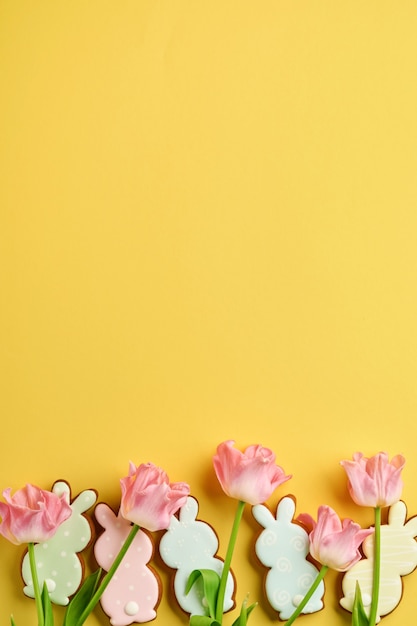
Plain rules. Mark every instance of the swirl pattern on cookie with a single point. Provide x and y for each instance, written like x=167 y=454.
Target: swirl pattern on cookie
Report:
x=283 y=547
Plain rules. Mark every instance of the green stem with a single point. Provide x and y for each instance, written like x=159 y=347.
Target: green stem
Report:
x=227 y=562
x=308 y=595
x=35 y=582
x=377 y=567
x=107 y=578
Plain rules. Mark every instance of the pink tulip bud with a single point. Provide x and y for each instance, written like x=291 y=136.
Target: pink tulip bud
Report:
x=334 y=542
x=32 y=515
x=374 y=482
x=249 y=476
x=149 y=499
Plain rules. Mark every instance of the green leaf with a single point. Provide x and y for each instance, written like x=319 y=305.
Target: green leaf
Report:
x=82 y=598
x=47 y=607
x=12 y=622
x=359 y=617
x=245 y=611
x=211 y=582
x=203 y=620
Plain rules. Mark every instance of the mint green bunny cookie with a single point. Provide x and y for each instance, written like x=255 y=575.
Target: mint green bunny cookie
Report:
x=57 y=560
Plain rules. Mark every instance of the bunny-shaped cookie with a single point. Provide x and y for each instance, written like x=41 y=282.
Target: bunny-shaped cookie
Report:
x=57 y=560
x=190 y=544
x=283 y=546
x=398 y=558
x=134 y=591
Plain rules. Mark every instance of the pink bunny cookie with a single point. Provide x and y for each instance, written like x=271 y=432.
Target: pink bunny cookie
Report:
x=134 y=591
x=283 y=547
x=190 y=544
x=398 y=558
x=58 y=562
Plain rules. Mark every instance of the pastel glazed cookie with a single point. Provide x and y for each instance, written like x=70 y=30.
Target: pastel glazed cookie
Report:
x=133 y=593
x=57 y=560
x=283 y=547
x=398 y=558
x=190 y=544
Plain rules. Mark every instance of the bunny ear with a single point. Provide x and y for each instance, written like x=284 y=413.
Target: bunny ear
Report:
x=173 y=523
x=263 y=515
x=103 y=514
x=397 y=514
x=188 y=512
x=84 y=501
x=286 y=509
x=411 y=526
x=61 y=487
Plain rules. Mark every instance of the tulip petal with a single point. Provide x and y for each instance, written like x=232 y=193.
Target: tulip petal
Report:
x=374 y=481
x=148 y=499
x=335 y=543
x=250 y=476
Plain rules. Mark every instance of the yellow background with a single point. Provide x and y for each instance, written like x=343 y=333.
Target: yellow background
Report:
x=208 y=231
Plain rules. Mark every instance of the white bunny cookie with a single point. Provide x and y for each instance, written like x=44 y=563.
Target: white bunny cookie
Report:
x=398 y=558
x=57 y=560
x=283 y=546
x=190 y=544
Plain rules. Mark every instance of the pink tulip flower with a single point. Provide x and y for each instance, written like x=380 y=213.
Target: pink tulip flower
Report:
x=32 y=515
x=149 y=499
x=249 y=476
x=333 y=542
x=374 y=482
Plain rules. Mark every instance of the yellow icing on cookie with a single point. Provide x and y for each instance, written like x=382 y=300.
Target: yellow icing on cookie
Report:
x=398 y=558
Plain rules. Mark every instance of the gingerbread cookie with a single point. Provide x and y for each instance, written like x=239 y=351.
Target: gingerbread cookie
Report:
x=134 y=591
x=57 y=560
x=398 y=558
x=283 y=547
x=187 y=545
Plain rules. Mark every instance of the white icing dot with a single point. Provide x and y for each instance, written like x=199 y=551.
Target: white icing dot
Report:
x=118 y=602
x=69 y=584
x=131 y=587
x=66 y=533
x=83 y=539
x=107 y=538
x=127 y=565
x=45 y=546
x=54 y=572
x=110 y=555
x=139 y=549
x=63 y=553
x=50 y=584
x=39 y=564
x=131 y=608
